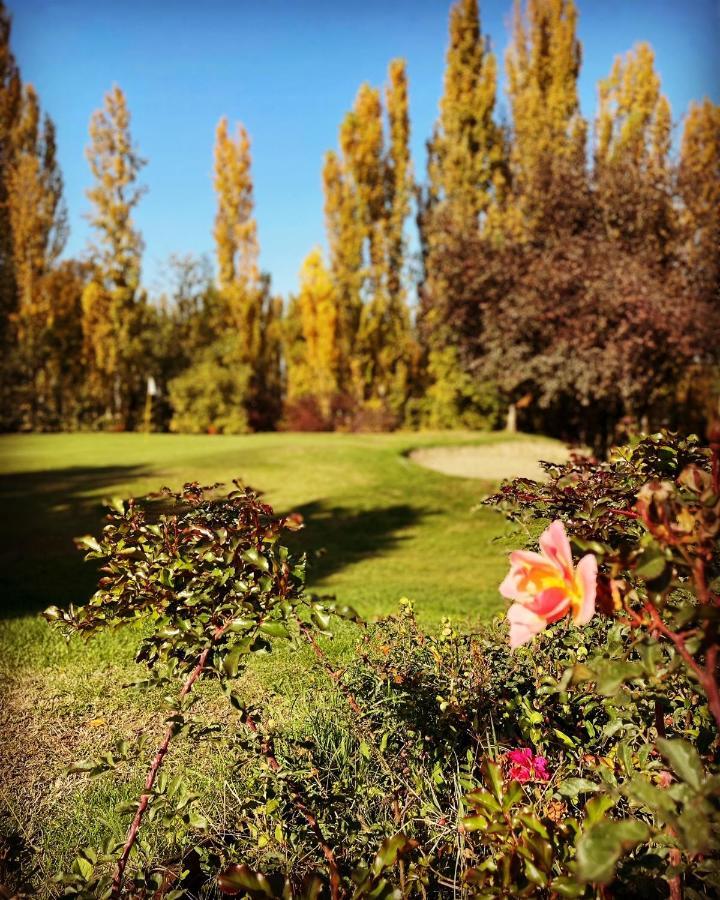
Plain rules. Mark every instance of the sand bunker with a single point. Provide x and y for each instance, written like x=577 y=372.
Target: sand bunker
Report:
x=492 y=462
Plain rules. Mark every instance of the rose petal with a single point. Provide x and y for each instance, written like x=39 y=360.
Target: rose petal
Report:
x=551 y=604
x=586 y=575
x=524 y=624
x=555 y=546
x=530 y=559
x=510 y=588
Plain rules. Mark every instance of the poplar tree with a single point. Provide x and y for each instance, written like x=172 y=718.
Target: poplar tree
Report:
x=314 y=358
x=235 y=227
x=38 y=225
x=399 y=174
x=699 y=189
x=466 y=196
x=113 y=305
x=236 y=240
x=10 y=104
x=548 y=133
x=253 y=317
x=10 y=99
x=632 y=170
x=345 y=243
x=367 y=197
x=466 y=159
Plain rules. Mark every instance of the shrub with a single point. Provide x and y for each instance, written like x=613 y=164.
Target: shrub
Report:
x=208 y=576
x=211 y=395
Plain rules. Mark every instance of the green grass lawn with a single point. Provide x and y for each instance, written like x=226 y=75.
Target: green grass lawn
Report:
x=378 y=527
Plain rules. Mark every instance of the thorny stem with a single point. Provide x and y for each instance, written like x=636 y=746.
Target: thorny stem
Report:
x=157 y=762
x=706 y=675
x=336 y=677
x=269 y=754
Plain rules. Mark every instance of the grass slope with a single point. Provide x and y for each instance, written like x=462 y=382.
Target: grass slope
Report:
x=378 y=527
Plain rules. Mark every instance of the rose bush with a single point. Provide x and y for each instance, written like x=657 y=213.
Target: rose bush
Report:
x=581 y=761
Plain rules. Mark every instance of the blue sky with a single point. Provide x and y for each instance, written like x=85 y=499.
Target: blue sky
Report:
x=289 y=69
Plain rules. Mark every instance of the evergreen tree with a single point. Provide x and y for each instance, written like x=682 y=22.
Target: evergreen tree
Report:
x=113 y=305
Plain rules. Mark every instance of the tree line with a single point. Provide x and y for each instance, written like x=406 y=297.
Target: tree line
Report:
x=566 y=276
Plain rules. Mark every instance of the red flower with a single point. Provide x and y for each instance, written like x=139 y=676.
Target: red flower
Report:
x=523 y=766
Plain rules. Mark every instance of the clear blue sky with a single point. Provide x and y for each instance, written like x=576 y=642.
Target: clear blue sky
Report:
x=289 y=69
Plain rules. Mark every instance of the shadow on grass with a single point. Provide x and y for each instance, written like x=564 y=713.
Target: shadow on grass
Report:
x=336 y=536
x=44 y=511
x=41 y=514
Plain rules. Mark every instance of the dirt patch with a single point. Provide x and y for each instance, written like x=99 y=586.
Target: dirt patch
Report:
x=493 y=462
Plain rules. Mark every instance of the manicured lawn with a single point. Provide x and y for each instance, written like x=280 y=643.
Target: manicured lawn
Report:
x=378 y=527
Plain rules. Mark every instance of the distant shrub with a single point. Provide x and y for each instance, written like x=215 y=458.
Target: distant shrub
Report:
x=212 y=394
x=453 y=398
x=305 y=414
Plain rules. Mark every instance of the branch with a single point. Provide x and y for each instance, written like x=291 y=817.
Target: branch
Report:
x=268 y=752
x=157 y=762
x=705 y=675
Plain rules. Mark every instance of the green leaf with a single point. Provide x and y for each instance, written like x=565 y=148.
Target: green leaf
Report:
x=89 y=543
x=275 y=629
x=567 y=887
x=82 y=765
x=195 y=820
x=255 y=558
x=475 y=823
x=231 y=662
x=320 y=619
x=651 y=564
x=239 y=877
x=641 y=792
x=568 y=741
x=494 y=777
x=611 y=676
x=572 y=787
x=389 y=851
x=83 y=867
x=601 y=846
x=684 y=760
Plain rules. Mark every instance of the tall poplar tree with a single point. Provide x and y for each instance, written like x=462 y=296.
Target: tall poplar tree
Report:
x=253 y=323
x=466 y=153
x=38 y=225
x=632 y=168
x=699 y=188
x=466 y=196
x=367 y=197
x=313 y=364
x=345 y=242
x=113 y=304
x=547 y=155
x=10 y=99
x=235 y=229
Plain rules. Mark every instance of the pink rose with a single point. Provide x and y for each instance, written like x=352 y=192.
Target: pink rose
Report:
x=544 y=586
x=524 y=766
